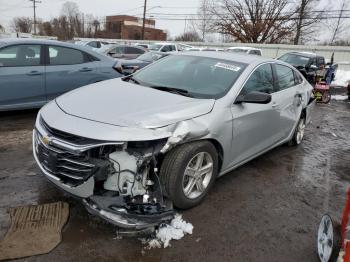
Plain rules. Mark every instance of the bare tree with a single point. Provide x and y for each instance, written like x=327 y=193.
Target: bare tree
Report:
x=45 y=28
x=253 y=21
x=191 y=36
x=339 y=27
x=22 y=24
x=75 y=19
x=306 y=19
x=202 y=22
x=96 y=24
x=70 y=9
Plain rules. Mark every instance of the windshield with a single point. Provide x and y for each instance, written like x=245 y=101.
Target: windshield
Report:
x=200 y=77
x=149 y=57
x=296 y=60
x=154 y=47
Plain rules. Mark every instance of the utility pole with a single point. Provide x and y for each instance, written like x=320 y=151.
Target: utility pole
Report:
x=34 y=8
x=144 y=21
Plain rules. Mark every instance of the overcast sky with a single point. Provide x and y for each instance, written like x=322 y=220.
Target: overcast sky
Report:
x=51 y=8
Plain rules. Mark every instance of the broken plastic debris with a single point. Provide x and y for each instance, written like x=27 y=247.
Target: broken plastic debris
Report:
x=166 y=232
x=341 y=256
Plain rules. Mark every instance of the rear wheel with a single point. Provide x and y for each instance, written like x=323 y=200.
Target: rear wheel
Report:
x=298 y=132
x=188 y=172
x=326 y=97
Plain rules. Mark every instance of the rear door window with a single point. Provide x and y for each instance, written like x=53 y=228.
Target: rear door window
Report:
x=66 y=56
x=20 y=55
x=133 y=50
x=118 y=50
x=285 y=77
x=260 y=80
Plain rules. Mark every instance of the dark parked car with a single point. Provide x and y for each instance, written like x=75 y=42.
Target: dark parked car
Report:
x=307 y=63
x=33 y=72
x=124 y=51
x=348 y=91
x=127 y=67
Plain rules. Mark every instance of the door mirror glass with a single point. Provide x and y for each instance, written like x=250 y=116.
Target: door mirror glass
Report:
x=254 y=97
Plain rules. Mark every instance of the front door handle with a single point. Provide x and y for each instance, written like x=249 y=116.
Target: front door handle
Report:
x=274 y=104
x=34 y=73
x=85 y=69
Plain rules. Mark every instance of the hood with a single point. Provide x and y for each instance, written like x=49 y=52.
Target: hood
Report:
x=133 y=61
x=125 y=104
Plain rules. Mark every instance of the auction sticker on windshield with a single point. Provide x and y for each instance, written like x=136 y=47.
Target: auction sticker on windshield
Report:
x=228 y=66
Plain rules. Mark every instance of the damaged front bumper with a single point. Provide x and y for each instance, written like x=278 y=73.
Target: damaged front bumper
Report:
x=119 y=210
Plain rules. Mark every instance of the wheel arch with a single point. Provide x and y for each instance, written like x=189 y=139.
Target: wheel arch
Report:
x=220 y=151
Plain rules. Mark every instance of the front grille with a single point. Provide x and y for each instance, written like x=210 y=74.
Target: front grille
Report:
x=71 y=169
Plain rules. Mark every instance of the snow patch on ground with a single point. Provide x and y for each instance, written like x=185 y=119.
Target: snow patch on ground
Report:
x=339 y=97
x=342 y=78
x=176 y=230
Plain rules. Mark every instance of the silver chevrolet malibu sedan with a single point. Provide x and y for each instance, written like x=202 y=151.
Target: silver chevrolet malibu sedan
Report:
x=134 y=147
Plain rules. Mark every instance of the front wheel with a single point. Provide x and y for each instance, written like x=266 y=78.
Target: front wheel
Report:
x=188 y=172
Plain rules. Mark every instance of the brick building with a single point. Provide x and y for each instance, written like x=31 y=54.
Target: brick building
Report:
x=130 y=27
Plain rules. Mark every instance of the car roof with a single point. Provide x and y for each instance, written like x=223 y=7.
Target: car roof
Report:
x=306 y=54
x=236 y=57
x=35 y=41
x=243 y=47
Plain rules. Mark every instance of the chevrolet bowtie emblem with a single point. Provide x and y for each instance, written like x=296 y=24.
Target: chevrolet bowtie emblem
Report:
x=46 y=140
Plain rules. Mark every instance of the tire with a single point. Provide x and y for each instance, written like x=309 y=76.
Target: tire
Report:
x=176 y=182
x=335 y=240
x=326 y=97
x=296 y=140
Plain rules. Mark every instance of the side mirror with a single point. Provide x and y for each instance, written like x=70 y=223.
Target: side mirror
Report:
x=254 y=97
x=313 y=67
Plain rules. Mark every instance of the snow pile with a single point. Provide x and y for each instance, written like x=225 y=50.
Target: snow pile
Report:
x=339 y=97
x=166 y=232
x=342 y=78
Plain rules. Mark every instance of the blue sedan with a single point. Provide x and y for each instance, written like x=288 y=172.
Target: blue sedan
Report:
x=33 y=72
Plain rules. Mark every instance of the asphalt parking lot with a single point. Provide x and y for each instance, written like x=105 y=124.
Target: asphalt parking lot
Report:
x=266 y=210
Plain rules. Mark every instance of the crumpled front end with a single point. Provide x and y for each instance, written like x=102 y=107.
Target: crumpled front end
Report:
x=117 y=181
x=114 y=169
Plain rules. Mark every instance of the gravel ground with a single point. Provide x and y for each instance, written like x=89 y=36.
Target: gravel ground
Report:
x=266 y=210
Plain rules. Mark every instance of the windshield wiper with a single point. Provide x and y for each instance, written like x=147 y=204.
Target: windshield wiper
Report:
x=179 y=91
x=130 y=77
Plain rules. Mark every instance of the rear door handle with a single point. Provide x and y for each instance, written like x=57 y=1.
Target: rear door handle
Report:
x=85 y=69
x=274 y=104
x=34 y=73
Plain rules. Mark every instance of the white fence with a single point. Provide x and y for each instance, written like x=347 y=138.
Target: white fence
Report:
x=26 y=35
x=341 y=53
